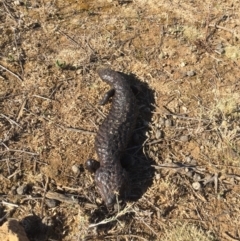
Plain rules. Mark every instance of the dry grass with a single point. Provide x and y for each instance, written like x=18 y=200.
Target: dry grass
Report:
x=185 y=56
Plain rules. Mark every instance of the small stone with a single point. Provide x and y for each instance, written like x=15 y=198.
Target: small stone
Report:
x=188 y=159
x=51 y=203
x=158 y=176
x=182 y=64
x=161 y=121
x=193 y=162
x=196 y=185
x=13 y=190
x=158 y=134
x=190 y=73
x=168 y=123
x=196 y=177
x=79 y=71
x=75 y=169
x=189 y=173
x=184 y=138
x=18 y=3
x=21 y=190
x=220 y=49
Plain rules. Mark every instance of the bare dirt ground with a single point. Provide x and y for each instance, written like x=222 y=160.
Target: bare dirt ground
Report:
x=185 y=58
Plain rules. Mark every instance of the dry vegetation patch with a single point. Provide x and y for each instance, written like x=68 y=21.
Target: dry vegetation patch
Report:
x=185 y=58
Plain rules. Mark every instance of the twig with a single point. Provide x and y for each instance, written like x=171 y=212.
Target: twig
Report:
x=41 y=97
x=216 y=183
x=70 y=200
x=69 y=188
x=73 y=40
x=114 y=218
x=226 y=29
x=11 y=121
x=116 y=237
x=17 y=76
x=142 y=221
x=181 y=116
x=173 y=165
x=19 y=54
x=15 y=173
x=78 y=130
x=4 y=217
x=30 y=198
x=21 y=151
x=21 y=109
x=10 y=204
x=44 y=196
x=9 y=12
x=65 y=128
x=230 y=236
x=61 y=197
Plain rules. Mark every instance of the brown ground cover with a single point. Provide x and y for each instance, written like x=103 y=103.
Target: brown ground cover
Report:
x=185 y=59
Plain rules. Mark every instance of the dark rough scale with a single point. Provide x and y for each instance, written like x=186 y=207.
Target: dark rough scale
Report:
x=114 y=135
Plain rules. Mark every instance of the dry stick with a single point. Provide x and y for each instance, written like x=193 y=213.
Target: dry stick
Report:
x=70 y=200
x=12 y=205
x=19 y=55
x=41 y=97
x=73 y=40
x=12 y=175
x=21 y=109
x=70 y=188
x=18 y=77
x=226 y=29
x=61 y=197
x=216 y=183
x=78 y=130
x=66 y=128
x=230 y=236
x=4 y=217
x=44 y=196
x=11 y=15
x=11 y=121
x=21 y=151
x=115 y=218
x=127 y=236
x=142 y=221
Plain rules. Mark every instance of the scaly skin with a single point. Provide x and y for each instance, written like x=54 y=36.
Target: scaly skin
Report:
x=113 y=136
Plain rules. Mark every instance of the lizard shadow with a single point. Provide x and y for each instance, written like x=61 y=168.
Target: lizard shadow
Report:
x=137 y=162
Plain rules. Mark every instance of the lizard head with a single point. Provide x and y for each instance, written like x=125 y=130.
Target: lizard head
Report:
x=110 y=181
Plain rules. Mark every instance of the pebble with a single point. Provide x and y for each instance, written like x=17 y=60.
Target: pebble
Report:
x=168 y=123
x=158 y=134
x=75 y=169
x=220 y=48
x=21 y=190
x=13 y=190
x=161 y=121
x=196 y=185
x=196 y=177
x=158 y=176
x=51 y=203
x=190 y=73
x=188 y=159
x=184 y=138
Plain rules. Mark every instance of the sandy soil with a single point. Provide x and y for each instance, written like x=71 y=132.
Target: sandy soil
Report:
x=184 y=57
